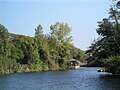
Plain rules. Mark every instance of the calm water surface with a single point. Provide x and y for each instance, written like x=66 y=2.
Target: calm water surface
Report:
x=83 y=79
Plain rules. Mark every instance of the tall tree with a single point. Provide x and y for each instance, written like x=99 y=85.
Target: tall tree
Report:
x=107 y=47
x=61 y=33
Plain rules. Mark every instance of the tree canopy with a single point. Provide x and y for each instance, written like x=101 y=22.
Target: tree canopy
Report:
x=41 y=52
x=106 y=49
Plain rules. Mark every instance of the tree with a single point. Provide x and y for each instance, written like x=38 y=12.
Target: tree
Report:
x=60 y=32
x=107 y=47
x=38 y=30
x=4 y=39
x=8 y=61
x=77 y=54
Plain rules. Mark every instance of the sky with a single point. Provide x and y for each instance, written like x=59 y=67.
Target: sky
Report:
x=23 y=16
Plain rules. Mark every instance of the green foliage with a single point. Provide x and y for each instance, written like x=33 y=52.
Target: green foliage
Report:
x=78 y=54
x=8 y=62
x=37 y=66
x=60 y=33
x=41 y=52
x=38 y=30
x=113 y=64
x=108 y=43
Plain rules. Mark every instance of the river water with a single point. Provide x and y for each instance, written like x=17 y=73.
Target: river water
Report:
x=83 y=79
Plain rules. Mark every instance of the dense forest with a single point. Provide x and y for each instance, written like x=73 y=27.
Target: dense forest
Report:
x=41 y=52
x=20 y=53
x=105 y=51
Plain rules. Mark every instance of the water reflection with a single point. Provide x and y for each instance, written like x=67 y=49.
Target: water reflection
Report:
x=83 y=79
x=110 y=82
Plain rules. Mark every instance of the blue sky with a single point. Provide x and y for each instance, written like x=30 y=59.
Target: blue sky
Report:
x=23 y=16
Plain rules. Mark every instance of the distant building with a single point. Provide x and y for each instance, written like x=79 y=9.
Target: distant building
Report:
x=74 y=64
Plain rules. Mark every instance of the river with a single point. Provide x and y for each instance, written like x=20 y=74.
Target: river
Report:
x=83 y=79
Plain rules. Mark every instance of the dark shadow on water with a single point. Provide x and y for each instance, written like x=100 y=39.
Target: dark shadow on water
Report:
x=109 y=76
x=109 y=81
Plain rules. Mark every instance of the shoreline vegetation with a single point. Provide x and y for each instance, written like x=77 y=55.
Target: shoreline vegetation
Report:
x=106 y=49
x=20 y=53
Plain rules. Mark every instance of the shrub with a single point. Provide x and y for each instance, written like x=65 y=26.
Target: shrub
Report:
x=113 y=64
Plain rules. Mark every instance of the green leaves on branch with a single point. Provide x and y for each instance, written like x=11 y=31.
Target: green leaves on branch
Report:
x=60 y=32
x=41 y=52
x=108 y=43
x=113 y=64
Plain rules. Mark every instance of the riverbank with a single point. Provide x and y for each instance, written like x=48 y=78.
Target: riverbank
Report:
x=26 y=68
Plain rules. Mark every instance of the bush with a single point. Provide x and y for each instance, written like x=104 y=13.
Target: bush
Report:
x=113 y=64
